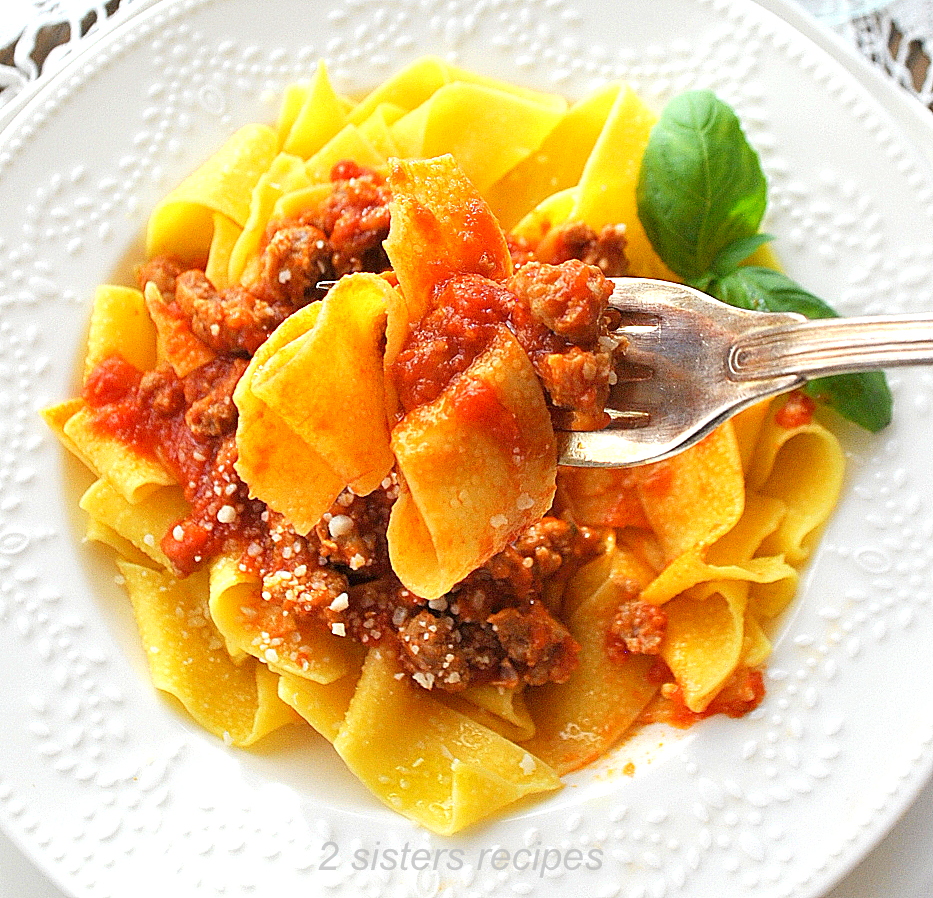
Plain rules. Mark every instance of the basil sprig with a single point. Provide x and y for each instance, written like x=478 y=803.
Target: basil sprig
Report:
x=701 y=198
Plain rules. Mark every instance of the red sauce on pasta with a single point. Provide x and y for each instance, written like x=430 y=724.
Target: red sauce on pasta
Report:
x=461 y=325
x=187 y=425
x=741 y=694
x=477 y=403
x=113 y=386
x=555 y=313
x=796 y=412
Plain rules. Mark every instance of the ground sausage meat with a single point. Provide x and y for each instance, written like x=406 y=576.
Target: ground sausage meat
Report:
x=343 y=234
x=208 y=393
x=555 y=313
x=569 y=299
x=575 y=240
x=637 y=629
x=539 y=647
x=352 y=533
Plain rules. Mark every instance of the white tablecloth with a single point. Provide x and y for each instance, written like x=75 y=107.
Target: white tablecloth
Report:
x=897 y=40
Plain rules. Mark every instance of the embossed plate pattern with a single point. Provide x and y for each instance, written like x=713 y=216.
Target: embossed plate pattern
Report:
x=114 y=792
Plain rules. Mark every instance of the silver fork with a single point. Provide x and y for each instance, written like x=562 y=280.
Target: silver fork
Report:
x=691 y=362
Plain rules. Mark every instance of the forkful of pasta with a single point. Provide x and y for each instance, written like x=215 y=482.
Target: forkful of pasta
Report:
x=690 y=362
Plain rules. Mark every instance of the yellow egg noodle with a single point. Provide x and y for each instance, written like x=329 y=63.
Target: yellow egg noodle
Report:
x=725 y=525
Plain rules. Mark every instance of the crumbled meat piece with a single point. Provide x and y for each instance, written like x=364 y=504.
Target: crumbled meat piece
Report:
x=569 y=299
x=578 y=380
x=356 y=219
x=162 y=271
x=219 y=500
x=576 y=240
x=208 y=393
x=162 y=391
x=234 y=320
x=353 y=532
x=496 y=626
x=608 y=253
x=637 y=628
x=378 y=609
x=536 y=644
x=539 y=553
x=432 y=647
x=513 y=646
x=294 y=260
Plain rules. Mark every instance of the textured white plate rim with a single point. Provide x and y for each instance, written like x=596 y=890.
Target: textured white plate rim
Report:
x=917 y=124
x=920 y=771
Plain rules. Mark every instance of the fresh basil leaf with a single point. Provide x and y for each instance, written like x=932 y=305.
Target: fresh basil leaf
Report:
x=737 y=252
x=701 y=187
x=767 y=290
x=863 y=398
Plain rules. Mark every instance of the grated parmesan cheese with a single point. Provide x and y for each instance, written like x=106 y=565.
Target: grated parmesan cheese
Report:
x=341 y=603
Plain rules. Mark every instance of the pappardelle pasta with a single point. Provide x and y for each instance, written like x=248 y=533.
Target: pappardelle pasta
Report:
x=343 y=506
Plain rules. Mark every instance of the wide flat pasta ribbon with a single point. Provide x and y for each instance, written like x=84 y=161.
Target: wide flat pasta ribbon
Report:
x=182 y=225
x=477 y=466
x=312 y=406
x=578 y=721
x=803 y=465
x=501 y=710
x=323 y=705
x=734 y=556
x=188 y=659
x=415 y=85
x=328 y=384
x=311 y=115
x=704 y=640
x=133 y=474
x=141 y=523
x=440 y=768
x=696 y=496
x=267 y=446
x=487 y=129
x=607 y=185
x=557 y=164
x=308 y=651
x=120 y=325
x=440 y=227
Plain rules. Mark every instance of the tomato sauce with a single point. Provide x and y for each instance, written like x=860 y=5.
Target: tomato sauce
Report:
x=147 y=412
x=742 y=693
x=477 y=402
x=467 y=311
x=796 y=412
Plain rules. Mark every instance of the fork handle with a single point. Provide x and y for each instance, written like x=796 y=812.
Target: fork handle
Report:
x=832 y=346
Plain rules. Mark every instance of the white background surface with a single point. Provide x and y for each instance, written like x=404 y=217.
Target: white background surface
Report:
x=900 y=867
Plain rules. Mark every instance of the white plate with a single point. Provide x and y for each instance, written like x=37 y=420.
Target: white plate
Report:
x=114 y=792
